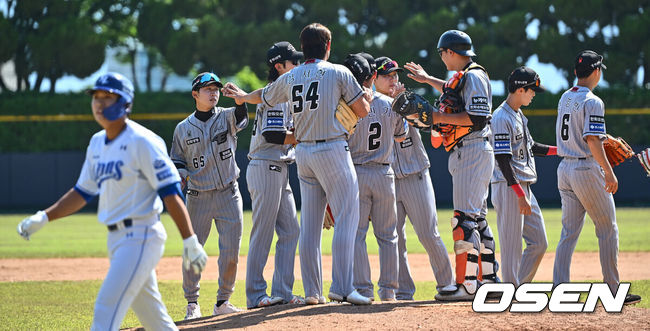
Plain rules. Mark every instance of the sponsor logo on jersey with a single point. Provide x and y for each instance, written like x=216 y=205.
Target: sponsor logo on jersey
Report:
x=159 y=163
x=274 y=167
x=275 y=113
x=596 y=119
x=479 y=107
x=519 y=136
x=565 y=298
x=108 y=170
x=479 y=100
x=225 y=154
x=220 y=138
x=597 y=127
x=502 y=136
x=275 y=122
x=162 y=175
x=408 y=142
x=193 y=141
x=501 y=145
x=193 y=193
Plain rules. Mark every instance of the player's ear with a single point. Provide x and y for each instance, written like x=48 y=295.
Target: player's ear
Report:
x=195 y=94
x=278 y=66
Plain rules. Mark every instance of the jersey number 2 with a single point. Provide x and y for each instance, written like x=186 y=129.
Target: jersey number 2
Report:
x=375 y=133
x=297 y=98
x=564 y=130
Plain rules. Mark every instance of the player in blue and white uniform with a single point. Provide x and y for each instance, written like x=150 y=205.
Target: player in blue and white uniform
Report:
x=127 y=166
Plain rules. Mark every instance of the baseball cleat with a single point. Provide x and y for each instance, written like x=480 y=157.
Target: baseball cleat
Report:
x=296 y=300
x=631 y=299
x=193 y=311
x=386 y=299
x=225 y=308
x=269 y=301
x=354 y=298
x=460 y=294
x=449 y=289
x=315 y=300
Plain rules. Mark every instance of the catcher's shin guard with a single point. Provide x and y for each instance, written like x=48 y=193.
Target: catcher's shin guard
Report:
x=466 y=248
x=488 y=265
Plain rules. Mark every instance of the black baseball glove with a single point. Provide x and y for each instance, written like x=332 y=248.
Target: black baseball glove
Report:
x=414 y=108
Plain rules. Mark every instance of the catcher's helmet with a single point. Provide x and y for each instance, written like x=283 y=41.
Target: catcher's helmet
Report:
x=118 y=84
x=457 y=41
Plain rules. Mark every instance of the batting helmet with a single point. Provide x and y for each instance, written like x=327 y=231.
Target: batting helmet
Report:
x=118 y=84
x=457 y=41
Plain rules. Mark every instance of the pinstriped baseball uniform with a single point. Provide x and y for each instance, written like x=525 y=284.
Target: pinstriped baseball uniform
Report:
x=415 y=197
x=274 y=208
x=511 y=136
x=325 y=167
x=581 y=183
x=207 y=150
x=371 y=147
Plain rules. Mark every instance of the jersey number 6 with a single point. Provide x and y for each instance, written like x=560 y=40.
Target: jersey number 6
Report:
x=564 y=130
x=312 y=96
x=200 y=161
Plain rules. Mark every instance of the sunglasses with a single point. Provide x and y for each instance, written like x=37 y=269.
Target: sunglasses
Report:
x=387 y=65
x=535 y=83
x=209 y=77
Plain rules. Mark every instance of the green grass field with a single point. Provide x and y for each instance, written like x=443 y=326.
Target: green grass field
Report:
x=69 y=305
x=82 y=236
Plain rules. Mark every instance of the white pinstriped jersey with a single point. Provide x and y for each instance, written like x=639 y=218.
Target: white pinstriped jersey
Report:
x=580 y=113
x=511 y=136
x=207 y=149
x=477 y=95
x=372 y=141
x=276 y=118
x=314 y=89
x=127 y=172
x=410 y=155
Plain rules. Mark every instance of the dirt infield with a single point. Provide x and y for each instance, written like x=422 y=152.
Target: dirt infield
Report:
x=585 y=266
x=415 y=315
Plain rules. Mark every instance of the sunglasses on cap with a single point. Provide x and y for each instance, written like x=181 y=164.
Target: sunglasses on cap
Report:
x=205 y=79
x=387 y=65
x=535 y=83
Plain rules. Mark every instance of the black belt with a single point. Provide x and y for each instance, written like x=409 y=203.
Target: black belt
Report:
x=460 y=143
x=574 y=158
x=361 y=164
x=126 y=223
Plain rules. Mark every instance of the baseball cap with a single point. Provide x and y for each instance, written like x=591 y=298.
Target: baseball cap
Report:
x=587 y=61
x=204 y=79
x=386 y=65
x=524 y=77
x=282 y=51
x=371 y=61
x=359 y=67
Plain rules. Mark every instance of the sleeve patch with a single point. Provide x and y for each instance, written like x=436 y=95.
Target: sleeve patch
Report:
x=596 y=119
x=479 y=107
x=502 y=136
x=596 y=127
x=502 y=145
x=158 y=164
x=274 y=122
x=162 y=175
x=479 y=100
x=275 y=113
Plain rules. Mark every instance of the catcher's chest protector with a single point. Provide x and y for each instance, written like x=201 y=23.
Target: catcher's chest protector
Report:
x=452 y=102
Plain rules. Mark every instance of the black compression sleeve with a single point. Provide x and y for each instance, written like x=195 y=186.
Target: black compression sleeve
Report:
x=274 y=137
x=540 y=149
x=503 y=161
x=241 y=111
x=478 y=121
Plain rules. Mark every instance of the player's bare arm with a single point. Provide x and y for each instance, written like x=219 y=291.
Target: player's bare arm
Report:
x=596 y=148
x=419 y=75
x=69 y=203
x=233 y=91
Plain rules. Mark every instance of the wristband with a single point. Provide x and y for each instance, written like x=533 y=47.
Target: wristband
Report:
x=518 y=190
x=552 y=150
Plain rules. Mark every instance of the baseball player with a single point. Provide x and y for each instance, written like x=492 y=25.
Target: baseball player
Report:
x=128 y=167
x=271 y=152
x=584 y=177
x=414 y=195
x=324 y=164
x=203 y=151
x=371 y=148
x=518 y=214
x=471 y=159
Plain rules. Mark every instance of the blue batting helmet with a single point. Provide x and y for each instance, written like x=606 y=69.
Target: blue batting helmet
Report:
x=118 y=84
x=457 y=41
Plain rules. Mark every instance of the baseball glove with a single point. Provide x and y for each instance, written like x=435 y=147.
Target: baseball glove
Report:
x=328 y=220
x=414 y=108
x=644 y=159
x=617 y=150
x=346 y=116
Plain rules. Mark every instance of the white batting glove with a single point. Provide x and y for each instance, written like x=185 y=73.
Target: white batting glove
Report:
x=31 y=224
x=194 y=255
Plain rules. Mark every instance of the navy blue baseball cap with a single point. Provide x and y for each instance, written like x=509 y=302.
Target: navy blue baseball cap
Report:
x=386 y=65
x=204 y=79
x=524 y=77
x=359 y=67
x=282 y=51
